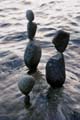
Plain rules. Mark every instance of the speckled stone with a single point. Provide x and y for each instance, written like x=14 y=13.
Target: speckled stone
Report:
x=32 y=55
x=31 y=30
x=26 y=84
x=61 y=40
x=55 y=71
x=30 y=15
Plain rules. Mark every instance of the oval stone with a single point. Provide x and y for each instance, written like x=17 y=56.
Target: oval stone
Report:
x=30 y=15
x=32 y=55
x=55 y=71
x=26 y=84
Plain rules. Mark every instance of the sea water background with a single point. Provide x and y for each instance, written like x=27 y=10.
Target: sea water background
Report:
x=46 y=104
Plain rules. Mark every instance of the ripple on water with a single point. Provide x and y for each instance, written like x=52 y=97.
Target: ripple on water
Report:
x=46 y=103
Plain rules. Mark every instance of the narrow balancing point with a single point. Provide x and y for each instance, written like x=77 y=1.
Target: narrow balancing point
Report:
x=32 y=53
x=26 y=84
x=55 y=67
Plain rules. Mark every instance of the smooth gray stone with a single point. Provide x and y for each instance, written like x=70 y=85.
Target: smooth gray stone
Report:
x=31 y=30
x=61 y=40
x=30 y=15
x=55 y=71
x=26 y=84
x=32 y=55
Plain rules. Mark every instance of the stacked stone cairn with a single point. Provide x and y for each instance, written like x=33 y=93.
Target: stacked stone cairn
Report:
x=32 y=57
x=55 y=67
x=32 y=53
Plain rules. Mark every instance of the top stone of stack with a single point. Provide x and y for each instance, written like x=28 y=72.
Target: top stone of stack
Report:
x=30 y=15
x=61 y=40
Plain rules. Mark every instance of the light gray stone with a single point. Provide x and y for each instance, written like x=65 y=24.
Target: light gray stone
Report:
x=26 y=84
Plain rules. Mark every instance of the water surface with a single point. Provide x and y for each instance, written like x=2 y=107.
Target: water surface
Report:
x=46 y=103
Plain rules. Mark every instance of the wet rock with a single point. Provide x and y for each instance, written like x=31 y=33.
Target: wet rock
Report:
x=32 y=55
x=30 y=15
x=55 y=71
x=31 y=29
x=61 y=40
x=26 y=84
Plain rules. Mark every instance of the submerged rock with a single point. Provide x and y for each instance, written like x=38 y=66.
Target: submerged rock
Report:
x=61 y=40
x=30 y=15
x=26 y=84
x=32 y=55
x=55 y=71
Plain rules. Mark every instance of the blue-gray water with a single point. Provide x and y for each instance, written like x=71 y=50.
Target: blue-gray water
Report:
x=46 y=104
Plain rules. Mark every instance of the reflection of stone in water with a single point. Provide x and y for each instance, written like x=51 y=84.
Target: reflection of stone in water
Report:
x=54 y=97
x=54 y=104
x=27 y=101
x=38 y=75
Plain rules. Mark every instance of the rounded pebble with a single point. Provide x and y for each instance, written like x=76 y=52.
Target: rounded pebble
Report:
x=30 y=15
x=26 y=84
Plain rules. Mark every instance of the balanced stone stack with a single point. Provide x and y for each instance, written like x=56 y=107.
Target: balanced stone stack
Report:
x=55 y=67
x=32 y=53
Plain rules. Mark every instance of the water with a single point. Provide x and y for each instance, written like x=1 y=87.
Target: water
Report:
x=46 y=103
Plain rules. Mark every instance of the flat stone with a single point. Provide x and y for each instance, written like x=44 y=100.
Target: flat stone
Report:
x=55 y=71
x=61 y=40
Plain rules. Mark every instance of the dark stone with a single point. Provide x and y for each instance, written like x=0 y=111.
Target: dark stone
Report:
x=32 y=55
x=61 y=40
x=30 y=15
x=27 y=101
x=55 y=71
x=31 y=29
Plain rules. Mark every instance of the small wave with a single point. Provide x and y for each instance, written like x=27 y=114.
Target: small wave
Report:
x=5 y=25
x=18 y=36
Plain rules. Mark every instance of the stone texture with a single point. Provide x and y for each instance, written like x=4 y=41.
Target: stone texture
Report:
x=55 y=71
x=31 y=30
x=32 y=55
x=61 y=40
x=26 y=84
x=30 y=15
